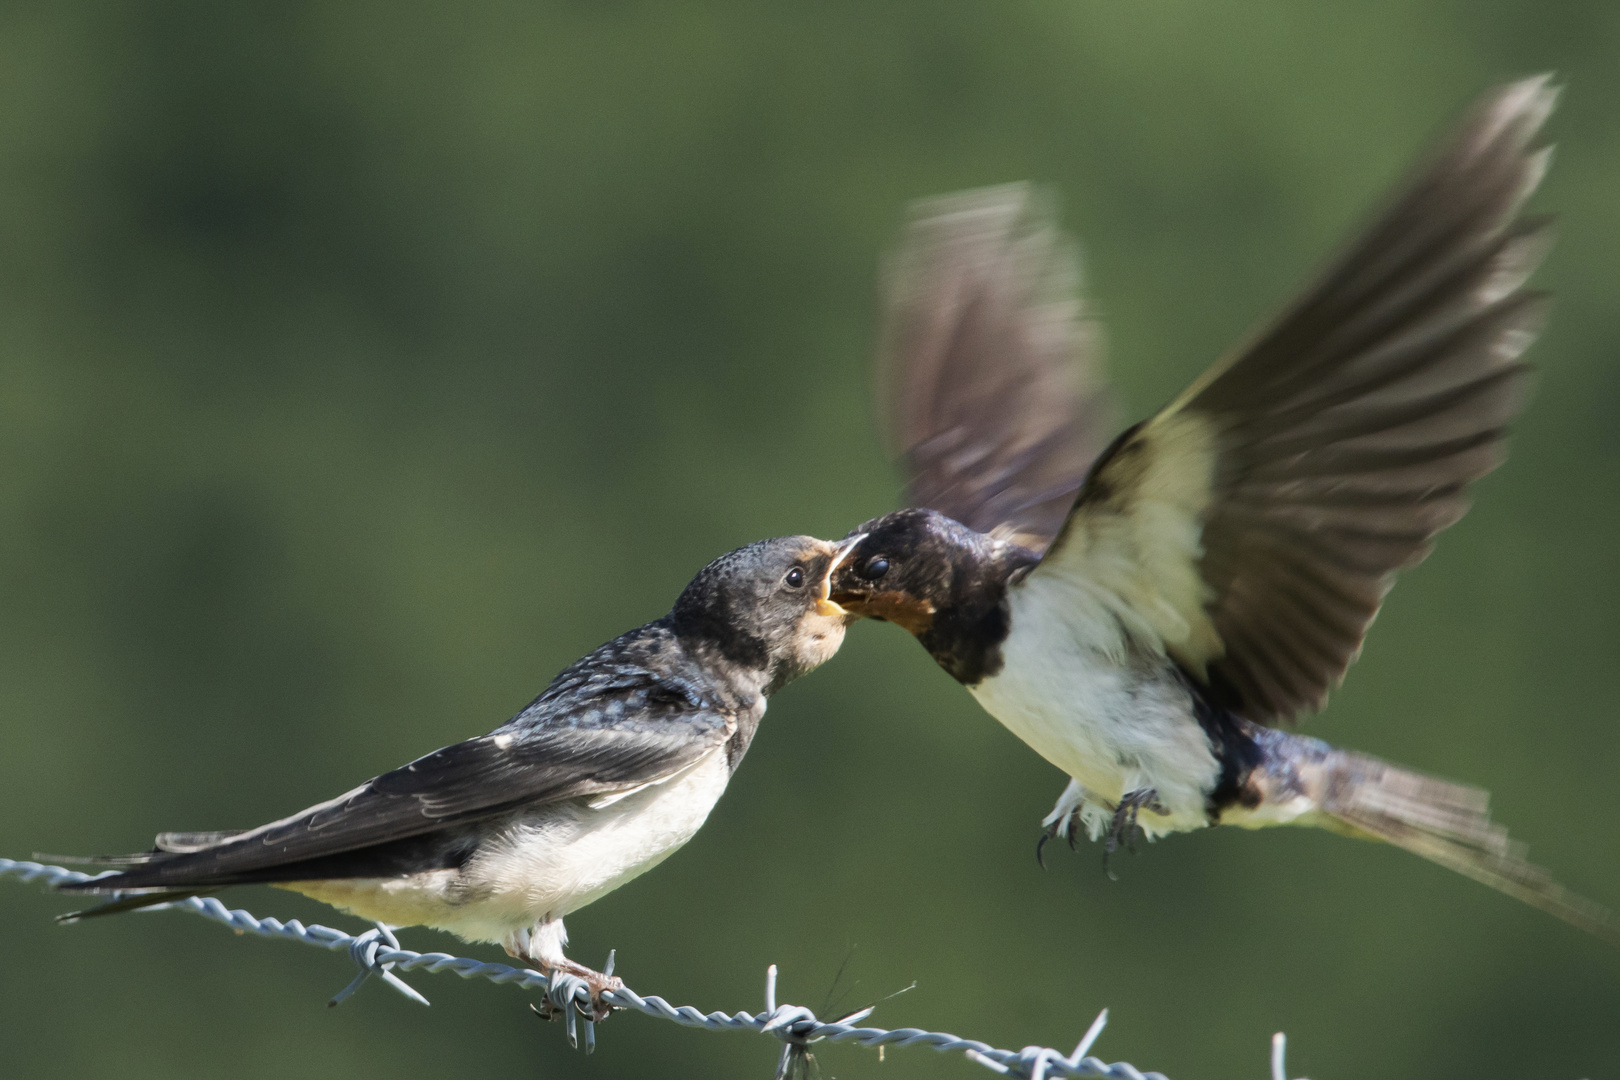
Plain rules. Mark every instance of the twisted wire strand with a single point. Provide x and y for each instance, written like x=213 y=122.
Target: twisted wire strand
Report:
x=378 y=953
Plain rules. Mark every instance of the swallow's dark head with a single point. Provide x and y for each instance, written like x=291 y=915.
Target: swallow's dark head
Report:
x=765 y=607
x=938 y=579
x=908 y=567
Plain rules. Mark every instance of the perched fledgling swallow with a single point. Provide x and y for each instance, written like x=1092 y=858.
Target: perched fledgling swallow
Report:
x=1144 y=624
x=602 y=777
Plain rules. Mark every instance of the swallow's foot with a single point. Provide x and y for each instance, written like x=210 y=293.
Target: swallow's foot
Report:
x=598 y=982
x=542 y=949
x=1123 y=829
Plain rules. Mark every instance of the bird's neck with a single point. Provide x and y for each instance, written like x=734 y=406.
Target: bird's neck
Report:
x=970 y=620
x=736 y=676
x=738 y=688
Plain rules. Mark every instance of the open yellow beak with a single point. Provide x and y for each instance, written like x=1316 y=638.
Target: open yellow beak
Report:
x=824 y=605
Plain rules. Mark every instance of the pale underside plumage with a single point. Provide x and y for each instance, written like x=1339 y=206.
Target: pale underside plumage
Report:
x=543 y=863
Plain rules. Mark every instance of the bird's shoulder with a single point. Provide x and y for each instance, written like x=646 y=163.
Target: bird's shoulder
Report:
x=646 y=677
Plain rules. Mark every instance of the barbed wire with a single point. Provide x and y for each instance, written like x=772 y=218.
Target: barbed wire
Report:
x=377 y=952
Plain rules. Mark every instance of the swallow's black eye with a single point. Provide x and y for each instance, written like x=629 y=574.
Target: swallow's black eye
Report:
x=794 y=579
x=875 y=568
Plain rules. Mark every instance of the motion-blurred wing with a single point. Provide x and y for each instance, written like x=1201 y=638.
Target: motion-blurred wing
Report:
x=479 y=778
x=991 y=374
x=1255 y=524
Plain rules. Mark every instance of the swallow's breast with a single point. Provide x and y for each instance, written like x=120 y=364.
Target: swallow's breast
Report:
x=554 y=861
x=1071 y=688
x=544 y=863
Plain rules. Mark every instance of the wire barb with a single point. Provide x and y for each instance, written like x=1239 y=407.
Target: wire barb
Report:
x=565 y=994
x=378 y=952
x=1279 y=1053
x=363 y=951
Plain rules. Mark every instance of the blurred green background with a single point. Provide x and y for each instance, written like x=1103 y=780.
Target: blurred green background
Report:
x=363 y=364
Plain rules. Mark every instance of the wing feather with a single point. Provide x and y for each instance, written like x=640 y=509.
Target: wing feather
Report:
x=1259 y=520
x=513 y=767
x=990 y=369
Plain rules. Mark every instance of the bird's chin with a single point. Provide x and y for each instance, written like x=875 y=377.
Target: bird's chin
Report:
x=819 y=642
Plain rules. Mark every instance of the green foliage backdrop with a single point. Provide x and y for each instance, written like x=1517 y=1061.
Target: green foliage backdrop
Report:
x=362 y=364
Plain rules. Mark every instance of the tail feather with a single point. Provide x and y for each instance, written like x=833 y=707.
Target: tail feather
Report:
x=184 y=843
x=139 y=858
x=131 y=902
x=1448 y=824
x=167 y=844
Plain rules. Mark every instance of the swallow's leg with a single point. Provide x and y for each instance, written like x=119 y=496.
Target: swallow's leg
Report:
x=542 y=949
x=1123 y=828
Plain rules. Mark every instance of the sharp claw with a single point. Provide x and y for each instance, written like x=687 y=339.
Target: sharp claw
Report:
x=1046 y=834
x=1069 y=828
x=599 y=983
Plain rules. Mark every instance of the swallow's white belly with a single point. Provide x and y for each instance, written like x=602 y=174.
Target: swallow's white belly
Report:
x=542 y=865
x=1068 y=690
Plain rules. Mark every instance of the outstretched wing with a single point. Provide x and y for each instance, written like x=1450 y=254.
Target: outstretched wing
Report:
x=511 y=768
x=1254 y=526
x=991 y=374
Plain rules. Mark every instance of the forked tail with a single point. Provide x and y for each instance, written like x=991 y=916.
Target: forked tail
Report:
x=1446 y=823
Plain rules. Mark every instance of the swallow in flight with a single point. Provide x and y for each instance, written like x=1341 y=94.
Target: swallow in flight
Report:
x=1148 y=617
x=603 y=776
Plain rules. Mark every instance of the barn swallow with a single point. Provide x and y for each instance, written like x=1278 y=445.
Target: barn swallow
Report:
x=1148 y=624
x=603 y=776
